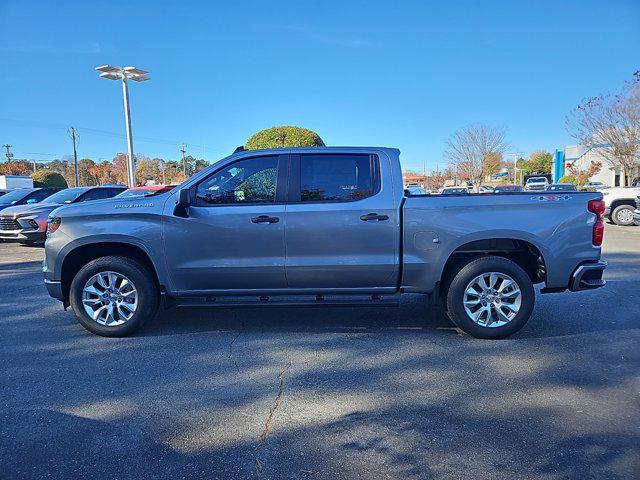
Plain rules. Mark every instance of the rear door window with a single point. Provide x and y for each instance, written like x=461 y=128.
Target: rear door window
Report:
x=337 y=177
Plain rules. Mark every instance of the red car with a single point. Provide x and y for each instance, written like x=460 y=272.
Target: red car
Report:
x=145 y=191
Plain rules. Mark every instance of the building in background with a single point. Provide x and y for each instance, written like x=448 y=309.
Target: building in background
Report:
x=581 y=157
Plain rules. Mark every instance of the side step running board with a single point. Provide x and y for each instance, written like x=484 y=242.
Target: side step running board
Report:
x=282 y=301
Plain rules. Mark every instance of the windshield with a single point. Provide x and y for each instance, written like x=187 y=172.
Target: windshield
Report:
x=141 y=192
x=67 y=195
x=537 y=180
x=14 y=196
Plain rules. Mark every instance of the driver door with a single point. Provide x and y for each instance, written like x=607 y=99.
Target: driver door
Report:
x=233 y=237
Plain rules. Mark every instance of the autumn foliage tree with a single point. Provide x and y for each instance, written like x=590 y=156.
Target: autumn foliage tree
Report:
x=610 y=123
x=14 y=167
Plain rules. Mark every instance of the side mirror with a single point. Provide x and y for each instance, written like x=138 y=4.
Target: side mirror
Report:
x=182 y=205
x=184 y=197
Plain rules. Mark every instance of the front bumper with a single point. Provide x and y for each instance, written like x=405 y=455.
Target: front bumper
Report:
x=588 y=276
x=54 y=288
x=22 y=236
x=636 y=216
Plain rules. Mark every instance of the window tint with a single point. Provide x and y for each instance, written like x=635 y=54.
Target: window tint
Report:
x=97 y=194
x=247 y=181
x=41 y=194
x=336 y=177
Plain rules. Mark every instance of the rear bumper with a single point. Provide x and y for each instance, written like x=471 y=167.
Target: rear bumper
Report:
x=636 y=215
x=588 y=276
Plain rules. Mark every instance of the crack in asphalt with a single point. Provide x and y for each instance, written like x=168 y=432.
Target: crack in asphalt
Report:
x=269 y=422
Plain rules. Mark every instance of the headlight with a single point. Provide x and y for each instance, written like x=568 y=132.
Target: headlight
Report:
x=53 y=224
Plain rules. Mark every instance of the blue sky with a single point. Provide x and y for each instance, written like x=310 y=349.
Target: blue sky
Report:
x=403 y=74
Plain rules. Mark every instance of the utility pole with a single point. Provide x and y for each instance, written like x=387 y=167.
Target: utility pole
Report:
x=163 y=169
x=183 y=149
x=73 y=133
x=9 y=155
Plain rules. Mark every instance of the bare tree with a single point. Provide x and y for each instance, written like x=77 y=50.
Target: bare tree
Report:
x=473 y=150
x=610 y=123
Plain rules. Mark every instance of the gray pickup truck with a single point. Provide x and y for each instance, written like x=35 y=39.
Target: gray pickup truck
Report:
x=320 y=226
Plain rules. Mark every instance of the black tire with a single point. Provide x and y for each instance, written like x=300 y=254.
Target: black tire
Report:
x=474 y=268
x=623 y=208
x=139 y=275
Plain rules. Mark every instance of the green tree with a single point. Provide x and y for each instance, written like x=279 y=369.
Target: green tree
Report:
x=539 y=161
x=48 y=178
x=281 y=137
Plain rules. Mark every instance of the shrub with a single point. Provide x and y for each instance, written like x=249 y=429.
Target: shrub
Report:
x=568 y=179
x=48 y=178
x=282 y=137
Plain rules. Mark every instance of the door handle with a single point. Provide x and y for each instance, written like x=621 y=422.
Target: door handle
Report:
x=373 y=216
x=265 y=219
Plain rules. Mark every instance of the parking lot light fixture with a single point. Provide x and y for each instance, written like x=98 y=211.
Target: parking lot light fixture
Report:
x=111 y=72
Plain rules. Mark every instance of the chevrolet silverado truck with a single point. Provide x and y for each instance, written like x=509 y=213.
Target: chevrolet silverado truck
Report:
x=320 y=226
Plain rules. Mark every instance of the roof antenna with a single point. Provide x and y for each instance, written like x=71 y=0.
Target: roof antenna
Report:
x=239 y=149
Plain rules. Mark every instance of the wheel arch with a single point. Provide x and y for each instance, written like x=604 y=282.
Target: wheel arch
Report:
x=525 y=253
x=80 y=255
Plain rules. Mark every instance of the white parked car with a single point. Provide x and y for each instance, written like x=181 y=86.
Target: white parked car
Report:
x=595 y=185
x=620 y=202
x=536 y=183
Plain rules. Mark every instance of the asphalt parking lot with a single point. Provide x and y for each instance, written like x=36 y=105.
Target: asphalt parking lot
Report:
x=323 y=393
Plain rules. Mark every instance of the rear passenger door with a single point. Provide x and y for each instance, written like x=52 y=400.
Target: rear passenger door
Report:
x=342 y=225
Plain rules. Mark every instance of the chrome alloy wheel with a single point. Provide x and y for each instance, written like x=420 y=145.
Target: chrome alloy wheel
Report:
x=492 y=299
x=109 y=298
x=625 y=215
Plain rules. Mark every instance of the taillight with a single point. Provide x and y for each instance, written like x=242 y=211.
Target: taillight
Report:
x=52 y=225
x=598 y=233
x=597 y=207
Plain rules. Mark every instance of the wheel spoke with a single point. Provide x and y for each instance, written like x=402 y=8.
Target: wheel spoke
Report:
x=98 y=312
x=511 y=294
x=505 y=283
x=129 y=293
x=92 y=301
x=502 y=315
x=101 y=282
x=512 y=307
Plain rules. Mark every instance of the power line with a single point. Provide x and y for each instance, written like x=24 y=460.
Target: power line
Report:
x=93 y=131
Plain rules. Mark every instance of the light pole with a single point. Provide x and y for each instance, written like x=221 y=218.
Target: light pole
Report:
x=123 y=74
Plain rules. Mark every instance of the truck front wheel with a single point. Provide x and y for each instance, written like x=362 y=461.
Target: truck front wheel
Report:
x=490 y=297
x=113 y=296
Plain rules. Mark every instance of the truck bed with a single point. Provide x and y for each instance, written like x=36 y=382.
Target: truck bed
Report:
x=558 y=225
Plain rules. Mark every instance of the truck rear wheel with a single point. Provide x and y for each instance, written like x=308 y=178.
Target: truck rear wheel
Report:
x=113 y=296
x=490 y=297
